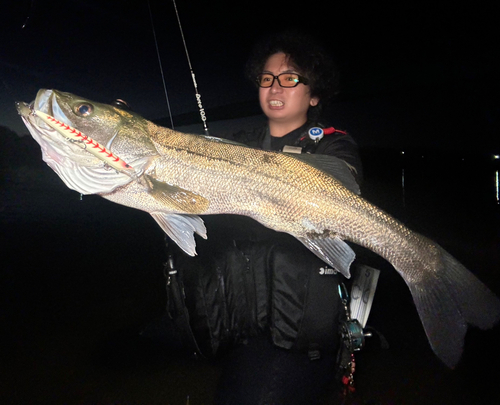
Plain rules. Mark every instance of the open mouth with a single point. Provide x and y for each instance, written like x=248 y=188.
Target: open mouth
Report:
x=276 y=103
x=47 y=122
x=81 y=162
x=89 y=144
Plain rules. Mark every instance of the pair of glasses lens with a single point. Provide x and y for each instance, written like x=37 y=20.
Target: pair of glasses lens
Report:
x=284 y=79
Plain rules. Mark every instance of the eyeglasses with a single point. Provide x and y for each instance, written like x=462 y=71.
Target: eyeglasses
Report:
x=284 y=79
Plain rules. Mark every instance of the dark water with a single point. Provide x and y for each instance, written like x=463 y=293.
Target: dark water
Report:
x=80 y=279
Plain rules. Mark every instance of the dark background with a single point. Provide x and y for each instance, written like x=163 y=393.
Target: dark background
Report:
x=80 y=279
x=412 y=73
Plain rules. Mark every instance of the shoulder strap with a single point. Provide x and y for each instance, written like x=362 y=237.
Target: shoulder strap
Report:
x=176 y=306
x=266 y=143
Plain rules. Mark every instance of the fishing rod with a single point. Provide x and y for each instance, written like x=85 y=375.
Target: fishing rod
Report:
x=197 y=93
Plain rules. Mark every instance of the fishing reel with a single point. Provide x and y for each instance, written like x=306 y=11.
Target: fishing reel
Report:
x=352 y=339
x=352 y=334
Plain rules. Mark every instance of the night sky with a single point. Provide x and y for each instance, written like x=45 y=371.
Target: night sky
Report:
x=411 y=73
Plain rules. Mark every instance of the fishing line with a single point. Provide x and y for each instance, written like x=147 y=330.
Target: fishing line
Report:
x=198 y=95
x=30 y=12
x=161 y=67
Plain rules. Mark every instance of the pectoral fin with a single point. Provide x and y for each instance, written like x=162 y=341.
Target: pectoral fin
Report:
x=181 y=229
x=333 y=251
x=176 y=197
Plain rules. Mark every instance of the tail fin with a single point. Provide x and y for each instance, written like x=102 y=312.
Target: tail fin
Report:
x=448 y=299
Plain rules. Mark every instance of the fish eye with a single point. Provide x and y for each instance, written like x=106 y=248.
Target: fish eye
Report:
x=84 y=109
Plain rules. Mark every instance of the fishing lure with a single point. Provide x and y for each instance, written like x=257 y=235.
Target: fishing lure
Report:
x=93 y=147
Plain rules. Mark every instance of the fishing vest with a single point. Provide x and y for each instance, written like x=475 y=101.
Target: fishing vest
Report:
x=312 y=138
x=248 y=280
x=237 y=288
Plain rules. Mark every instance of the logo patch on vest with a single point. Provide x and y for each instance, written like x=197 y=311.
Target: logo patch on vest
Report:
x=327 y=271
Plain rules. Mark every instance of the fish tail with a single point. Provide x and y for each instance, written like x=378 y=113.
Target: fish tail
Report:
x=449 y=300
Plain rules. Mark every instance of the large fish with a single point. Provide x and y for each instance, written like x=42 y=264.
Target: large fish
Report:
x=99 y=149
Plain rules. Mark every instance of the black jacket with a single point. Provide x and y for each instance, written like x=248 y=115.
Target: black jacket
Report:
x=335 y=142
x=248 y=280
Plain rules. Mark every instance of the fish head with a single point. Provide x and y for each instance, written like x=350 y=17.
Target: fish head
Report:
x=119 y=133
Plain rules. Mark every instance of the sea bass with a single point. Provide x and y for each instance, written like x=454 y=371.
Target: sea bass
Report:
x=100 y=149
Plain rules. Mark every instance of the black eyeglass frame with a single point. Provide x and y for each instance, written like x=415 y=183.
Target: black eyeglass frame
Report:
x=302 y=80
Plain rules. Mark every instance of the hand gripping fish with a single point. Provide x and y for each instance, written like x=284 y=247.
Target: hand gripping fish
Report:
x=99 y=149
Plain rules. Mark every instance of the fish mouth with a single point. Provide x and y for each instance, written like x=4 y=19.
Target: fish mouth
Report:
x=54 y=149
x=46 y=102
x=80 y=170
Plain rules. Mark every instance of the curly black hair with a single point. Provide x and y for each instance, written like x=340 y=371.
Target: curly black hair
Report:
x=306 y=55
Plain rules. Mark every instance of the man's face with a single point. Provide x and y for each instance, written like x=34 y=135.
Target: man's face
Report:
x=284 y=104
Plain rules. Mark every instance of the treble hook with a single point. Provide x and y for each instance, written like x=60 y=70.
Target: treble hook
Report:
x=78 y=143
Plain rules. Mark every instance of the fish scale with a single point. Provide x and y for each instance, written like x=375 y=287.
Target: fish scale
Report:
x=178 y=176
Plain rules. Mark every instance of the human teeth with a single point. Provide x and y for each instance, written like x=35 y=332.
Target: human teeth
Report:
x=276 y=103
